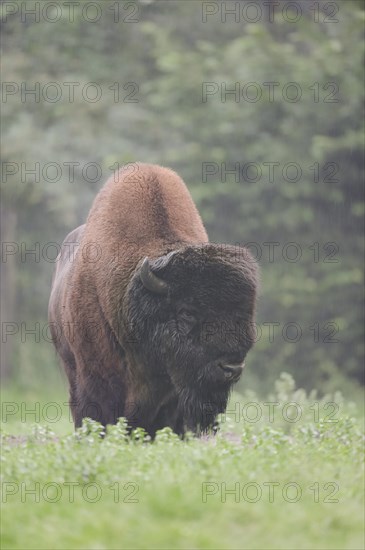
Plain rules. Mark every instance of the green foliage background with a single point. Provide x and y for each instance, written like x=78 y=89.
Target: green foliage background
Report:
x=169 y=53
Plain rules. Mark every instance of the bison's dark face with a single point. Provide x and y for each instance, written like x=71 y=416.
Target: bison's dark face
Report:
x=190 y=319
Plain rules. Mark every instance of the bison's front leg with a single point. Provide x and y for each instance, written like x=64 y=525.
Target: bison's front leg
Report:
x=98 y=400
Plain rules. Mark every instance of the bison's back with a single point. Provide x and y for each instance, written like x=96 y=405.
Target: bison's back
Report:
x=146 y=205
x=142 y=210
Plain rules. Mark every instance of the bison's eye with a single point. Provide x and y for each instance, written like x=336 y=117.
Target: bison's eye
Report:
x=186 y=320
x=187 y=314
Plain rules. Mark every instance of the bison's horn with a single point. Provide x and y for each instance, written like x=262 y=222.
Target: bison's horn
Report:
x=150 y=280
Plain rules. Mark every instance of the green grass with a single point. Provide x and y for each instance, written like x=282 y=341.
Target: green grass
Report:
x=213 y=492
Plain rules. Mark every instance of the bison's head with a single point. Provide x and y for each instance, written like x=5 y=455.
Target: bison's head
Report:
x=190 y=317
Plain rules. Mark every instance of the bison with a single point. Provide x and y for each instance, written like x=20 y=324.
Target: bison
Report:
x=151 y=321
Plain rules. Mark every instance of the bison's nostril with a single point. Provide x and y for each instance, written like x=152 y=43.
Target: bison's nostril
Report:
x=232 y=371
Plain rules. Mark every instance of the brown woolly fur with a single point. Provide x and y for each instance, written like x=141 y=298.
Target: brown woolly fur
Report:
x=160 y=344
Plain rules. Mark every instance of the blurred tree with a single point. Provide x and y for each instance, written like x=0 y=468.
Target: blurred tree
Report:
x=166 y=65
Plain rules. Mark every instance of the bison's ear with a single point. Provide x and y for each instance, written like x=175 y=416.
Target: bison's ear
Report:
x=150 y=280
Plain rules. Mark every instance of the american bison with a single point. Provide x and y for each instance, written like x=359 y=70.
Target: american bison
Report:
x=151 y=321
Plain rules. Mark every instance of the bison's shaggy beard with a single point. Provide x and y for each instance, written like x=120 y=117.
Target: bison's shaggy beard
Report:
x=199 y=409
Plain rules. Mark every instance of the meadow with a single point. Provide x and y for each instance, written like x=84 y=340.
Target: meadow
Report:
x=282 y=472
